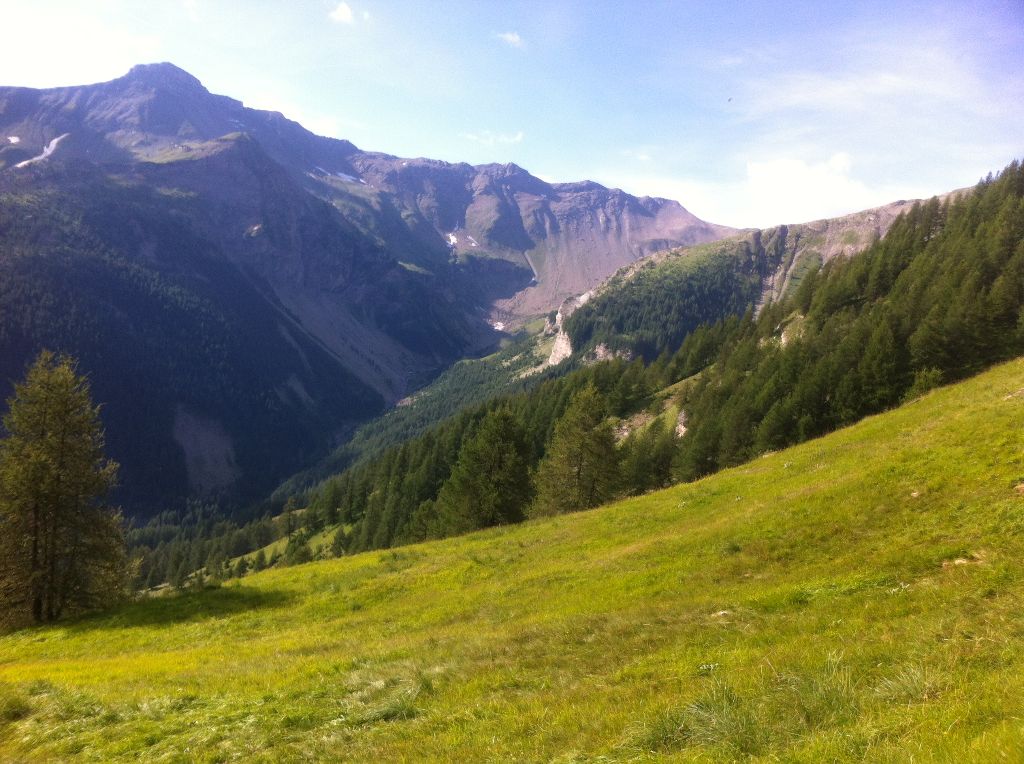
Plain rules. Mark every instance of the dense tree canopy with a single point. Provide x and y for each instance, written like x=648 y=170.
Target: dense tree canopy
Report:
x=490 y=482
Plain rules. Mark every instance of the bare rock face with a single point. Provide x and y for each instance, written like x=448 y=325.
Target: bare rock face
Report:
x=571 y=236
x=819 y=241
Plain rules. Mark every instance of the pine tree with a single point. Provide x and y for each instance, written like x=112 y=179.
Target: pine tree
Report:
x=581 y=466
x=62 y=549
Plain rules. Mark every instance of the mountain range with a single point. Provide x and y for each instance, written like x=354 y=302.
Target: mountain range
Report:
x=243 y=292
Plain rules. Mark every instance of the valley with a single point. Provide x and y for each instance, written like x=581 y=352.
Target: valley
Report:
x=382 y=382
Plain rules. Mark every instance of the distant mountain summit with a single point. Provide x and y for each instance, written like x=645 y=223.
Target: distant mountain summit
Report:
x=566 y=237
x=243 y=292
x=571 y=236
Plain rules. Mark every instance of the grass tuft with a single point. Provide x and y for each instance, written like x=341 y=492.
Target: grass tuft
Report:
x=14 y=706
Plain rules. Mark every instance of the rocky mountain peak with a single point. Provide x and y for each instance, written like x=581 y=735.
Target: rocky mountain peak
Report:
x=165 y=76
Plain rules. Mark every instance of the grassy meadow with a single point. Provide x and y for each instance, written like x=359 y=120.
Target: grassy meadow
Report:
x=859 y=597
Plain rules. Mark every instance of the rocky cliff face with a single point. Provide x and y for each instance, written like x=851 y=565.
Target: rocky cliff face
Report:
x=649 y=306
x=815 y=243
x=571 y=236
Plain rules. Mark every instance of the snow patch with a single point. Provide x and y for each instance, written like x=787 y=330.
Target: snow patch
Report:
x=472 y=241
x=50 y=148
x=498 y=326
x=452 y=240
x=341 y=175
x=13 y=139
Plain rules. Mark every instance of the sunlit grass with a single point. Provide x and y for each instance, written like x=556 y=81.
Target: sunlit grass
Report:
x=855 y=598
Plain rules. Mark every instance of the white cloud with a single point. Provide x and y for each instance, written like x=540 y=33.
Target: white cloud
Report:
x=511 y=39
x=342 y=14
x=191 y=8
x=487 y=138
x=641 y=154
x=773 y=191
x=315 y=122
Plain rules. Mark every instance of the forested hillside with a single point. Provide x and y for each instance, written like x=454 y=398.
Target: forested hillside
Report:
x=650 y=307
x=939 y=298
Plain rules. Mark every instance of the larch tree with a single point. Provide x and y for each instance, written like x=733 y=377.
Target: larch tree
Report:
x=581 y=467
x=62 y=548
x=490 y=482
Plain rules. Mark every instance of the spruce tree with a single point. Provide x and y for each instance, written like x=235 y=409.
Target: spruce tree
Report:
x=62 y=548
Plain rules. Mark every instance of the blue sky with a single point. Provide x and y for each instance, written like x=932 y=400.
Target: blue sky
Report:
x=748 y=113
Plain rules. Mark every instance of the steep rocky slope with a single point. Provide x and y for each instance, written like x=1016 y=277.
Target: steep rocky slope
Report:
x=570 y=235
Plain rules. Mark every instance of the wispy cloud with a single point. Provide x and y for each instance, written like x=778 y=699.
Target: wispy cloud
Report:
x=342 y=14
x=874 y=79
x=640 y=154
x=512 y=39
x=487 y=138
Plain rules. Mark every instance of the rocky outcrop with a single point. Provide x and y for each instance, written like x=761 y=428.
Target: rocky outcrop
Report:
x=811 y=244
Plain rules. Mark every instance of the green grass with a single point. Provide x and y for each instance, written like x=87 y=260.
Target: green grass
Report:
x=855 y=598
x=319 y=544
